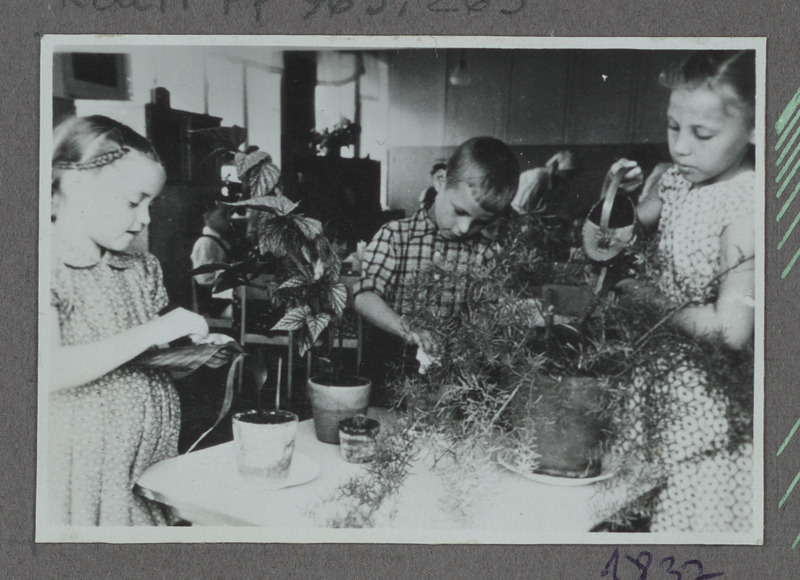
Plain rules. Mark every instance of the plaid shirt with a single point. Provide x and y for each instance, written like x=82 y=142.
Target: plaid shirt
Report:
x=403 y=248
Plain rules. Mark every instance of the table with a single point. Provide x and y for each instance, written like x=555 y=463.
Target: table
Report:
x=204 y=488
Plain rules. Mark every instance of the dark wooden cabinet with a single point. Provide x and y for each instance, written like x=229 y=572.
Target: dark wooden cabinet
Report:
x=344 y=194
x=193 y=181
x=186 y=155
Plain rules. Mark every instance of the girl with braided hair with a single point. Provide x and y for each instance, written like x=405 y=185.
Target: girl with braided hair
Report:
x=108 y=420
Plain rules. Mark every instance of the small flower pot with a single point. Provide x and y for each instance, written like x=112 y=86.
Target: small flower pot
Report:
x=357 y=436
x=264 y=444
x=334 y=400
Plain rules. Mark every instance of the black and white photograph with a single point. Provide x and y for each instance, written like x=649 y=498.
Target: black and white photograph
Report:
x=401 y=290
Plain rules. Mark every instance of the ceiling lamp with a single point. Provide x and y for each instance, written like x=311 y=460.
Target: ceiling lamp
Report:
x=460 y=77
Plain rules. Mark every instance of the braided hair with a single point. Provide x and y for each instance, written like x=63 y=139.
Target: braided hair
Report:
x=86 y=143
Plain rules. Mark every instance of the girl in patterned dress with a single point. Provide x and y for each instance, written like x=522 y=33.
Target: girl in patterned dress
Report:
x=108 y=420
x=703 y=206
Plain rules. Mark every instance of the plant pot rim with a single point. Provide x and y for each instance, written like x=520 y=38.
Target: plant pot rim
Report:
x=369 y=427
x=288 y=416
x=331 y=381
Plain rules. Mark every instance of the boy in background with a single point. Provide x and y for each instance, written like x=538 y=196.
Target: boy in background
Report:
x=438 y=175
x=212 y=247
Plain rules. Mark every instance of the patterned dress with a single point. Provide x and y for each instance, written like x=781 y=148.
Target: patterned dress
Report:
x=708 y=487
x=104 y=434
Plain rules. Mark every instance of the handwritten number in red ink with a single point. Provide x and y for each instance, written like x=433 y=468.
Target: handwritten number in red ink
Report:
x=515 y=10
x=615 y=559
x=433 y=8
x=643 y=567
x=372 y=11
x=700 y=575
x=476 y=5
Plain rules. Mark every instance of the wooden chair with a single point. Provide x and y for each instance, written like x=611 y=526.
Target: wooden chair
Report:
x=223 y=324
x=246 y=298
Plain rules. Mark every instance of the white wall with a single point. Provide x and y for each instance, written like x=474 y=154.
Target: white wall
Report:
x=525 y=97
x=202 y=80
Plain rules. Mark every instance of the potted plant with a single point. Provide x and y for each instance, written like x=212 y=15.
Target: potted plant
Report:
x=329 y=142
x=549 y=400
x=296 y=268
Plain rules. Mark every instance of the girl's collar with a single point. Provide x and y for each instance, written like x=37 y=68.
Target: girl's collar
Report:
x=117 y=260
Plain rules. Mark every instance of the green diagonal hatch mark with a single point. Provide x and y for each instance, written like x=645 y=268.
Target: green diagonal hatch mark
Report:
x=788 y=135
x=790 y=230
x=787 y=112
x=783 y=210
x=791 y=157
x=787 y=131
x=788 y=179
x=791 y=263
x=797 y=539
x=788 y=438
x=789 y=491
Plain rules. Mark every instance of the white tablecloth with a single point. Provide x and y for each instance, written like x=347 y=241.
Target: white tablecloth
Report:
x=204 y=487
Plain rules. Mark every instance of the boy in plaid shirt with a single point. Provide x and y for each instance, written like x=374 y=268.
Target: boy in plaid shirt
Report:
x=482 y=178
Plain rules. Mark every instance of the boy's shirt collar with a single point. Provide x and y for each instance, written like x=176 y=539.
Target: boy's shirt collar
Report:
x=424 y=224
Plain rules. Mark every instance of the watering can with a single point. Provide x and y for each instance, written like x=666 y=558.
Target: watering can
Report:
x=610 y=225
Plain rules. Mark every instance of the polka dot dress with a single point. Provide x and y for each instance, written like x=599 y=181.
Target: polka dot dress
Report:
x=708 y=488
x=105 y=433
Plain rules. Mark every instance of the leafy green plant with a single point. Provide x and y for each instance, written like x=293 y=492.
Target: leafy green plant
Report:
x=330 y=141
x=293 y=263
x=500 y=376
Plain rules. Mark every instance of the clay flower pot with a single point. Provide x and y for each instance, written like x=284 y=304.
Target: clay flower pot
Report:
x=264 y=444
x=335 y=399
x=570 y=445
x=357 y=436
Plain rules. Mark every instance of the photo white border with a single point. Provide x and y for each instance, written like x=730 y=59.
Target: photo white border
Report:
x=46 y=532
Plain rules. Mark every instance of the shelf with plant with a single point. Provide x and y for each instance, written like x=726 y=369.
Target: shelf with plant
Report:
x=329 y=141
x=506 y=384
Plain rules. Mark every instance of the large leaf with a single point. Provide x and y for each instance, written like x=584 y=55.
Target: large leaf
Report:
x=247 y=161
x=304 y=342
x=319 y=269
x=274 y=237
x=328 y=256
x=277 y=204
x=229 y=280
x=294 y=319
x=310 y=227
x=206 y=268
x=316 y=324
x=338 y=298
x=293 y=282
x=307 y=255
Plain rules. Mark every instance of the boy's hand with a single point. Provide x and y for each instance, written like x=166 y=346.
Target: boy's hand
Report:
x=423 y=339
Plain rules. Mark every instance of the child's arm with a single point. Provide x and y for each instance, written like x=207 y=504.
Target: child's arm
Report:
x=648 y=209
x=731 y=316
x=374 y=308
x=75 y=365
x=378 y=275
